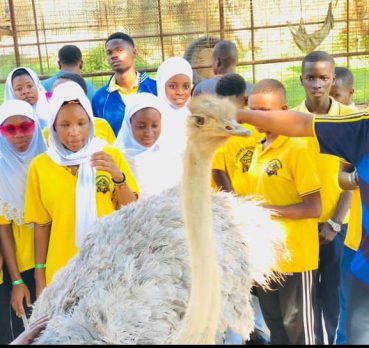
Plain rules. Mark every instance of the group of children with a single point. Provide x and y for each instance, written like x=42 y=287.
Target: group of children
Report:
x=64 y=163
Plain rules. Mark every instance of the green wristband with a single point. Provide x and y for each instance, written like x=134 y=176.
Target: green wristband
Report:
x=40 y=265
x=17 y=282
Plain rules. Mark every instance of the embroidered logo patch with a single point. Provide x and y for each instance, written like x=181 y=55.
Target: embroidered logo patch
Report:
x=273 y=166
x=102 y=184
x=246 y=160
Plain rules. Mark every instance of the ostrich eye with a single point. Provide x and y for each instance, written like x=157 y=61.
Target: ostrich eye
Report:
x=199 y=120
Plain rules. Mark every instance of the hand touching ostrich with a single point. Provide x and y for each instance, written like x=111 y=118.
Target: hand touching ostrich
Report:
x=174 y=268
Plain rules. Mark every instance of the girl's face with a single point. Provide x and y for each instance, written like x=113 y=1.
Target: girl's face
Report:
x=72 y=126
x=18 y=131
x=146 y=126
x=25 y=89
x=178 y=90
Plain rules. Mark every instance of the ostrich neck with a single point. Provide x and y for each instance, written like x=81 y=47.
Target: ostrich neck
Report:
x=204 y=304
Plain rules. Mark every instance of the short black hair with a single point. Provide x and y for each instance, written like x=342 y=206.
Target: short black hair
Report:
x=345 y=75
x=20 y=72
x=120 y=36
x=318 y=56
x=226 y=51
x=75 y=78
x=269 y=86
x=70 y=55
x=231 y=85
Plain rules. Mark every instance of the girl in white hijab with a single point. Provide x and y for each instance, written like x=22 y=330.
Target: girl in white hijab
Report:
x=23 y=84
x=78 y=179
x=174 y=82
x=140 y=139
x=20 y=141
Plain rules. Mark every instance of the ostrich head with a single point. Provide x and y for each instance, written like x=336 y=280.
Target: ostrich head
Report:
x=212 y=122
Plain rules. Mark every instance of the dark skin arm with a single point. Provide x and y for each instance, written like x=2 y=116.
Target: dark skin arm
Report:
x=284 y=122
x=222 y=180
x=347 y=170
x=326 y=233
x=42 y=237
x=310 y=207
x=103 y=161
x=20 y=292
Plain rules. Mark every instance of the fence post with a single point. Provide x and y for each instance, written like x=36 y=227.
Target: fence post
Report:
x=14 y=33
x=252 y=41
x=221 y=19
x=37 y=37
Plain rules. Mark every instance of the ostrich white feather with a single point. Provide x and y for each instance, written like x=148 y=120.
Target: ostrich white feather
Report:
x=130 y=282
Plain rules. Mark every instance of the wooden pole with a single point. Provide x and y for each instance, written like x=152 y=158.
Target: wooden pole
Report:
x=14 y=33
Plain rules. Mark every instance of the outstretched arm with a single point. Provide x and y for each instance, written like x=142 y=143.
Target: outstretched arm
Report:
x=284 y=122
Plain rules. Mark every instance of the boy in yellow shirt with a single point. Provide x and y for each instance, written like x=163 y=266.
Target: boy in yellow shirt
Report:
x=317 y=78
x=283 y=173
x=232 y=161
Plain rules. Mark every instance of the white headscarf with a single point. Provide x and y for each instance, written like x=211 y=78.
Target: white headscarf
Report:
x=86 y=213
x=153 y=166
x=14 y=165
x=174 y=128
x=41 y=108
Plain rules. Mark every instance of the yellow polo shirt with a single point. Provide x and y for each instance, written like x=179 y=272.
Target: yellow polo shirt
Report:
x=113 y=86
x=103 y=131
x=24 y=244
x=282 y=174
x=328 y=165
x=50 y=197
x=235 y=156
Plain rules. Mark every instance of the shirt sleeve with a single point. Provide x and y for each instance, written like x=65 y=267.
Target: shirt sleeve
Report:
x=34 y=209
x=219 y=161
x=4 y=221
x=343 y=136
x=305 y=172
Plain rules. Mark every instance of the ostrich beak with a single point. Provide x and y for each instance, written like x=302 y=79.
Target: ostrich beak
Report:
x=234 y=128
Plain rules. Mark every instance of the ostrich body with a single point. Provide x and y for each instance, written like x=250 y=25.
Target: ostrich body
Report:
x=161 y=272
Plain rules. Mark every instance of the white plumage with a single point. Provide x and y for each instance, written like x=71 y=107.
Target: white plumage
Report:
x=130 y=282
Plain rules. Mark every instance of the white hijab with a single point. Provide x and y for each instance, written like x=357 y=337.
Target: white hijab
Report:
x=153 y=166
x=174 y=128
x=41 y=108
x=86 y=212
x=14 y=165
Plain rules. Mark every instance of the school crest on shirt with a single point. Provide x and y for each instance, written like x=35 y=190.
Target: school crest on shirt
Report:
x=102 y=184
x=245 y=159
x=273 y=166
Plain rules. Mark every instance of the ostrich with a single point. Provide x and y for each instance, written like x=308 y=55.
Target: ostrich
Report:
x=166 y=270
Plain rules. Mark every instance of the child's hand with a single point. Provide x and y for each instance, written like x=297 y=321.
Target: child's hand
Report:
x=33 y=331
x=20 y=292
x=326 y=234
x=103 y=161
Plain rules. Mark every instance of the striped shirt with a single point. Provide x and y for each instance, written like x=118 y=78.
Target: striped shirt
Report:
x=348 y=137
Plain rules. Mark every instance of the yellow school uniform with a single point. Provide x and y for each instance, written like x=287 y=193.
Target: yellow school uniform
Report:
x=102 y=131
x=354 y=228
x=24 y=244
x=282 y=174
x=235 y=156
x=50 y=198
x=328 y=165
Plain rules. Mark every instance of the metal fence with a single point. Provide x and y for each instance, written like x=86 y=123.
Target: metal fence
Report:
x=32 y=32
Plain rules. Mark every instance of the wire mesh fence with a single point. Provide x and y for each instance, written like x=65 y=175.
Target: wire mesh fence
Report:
x=272 y=36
